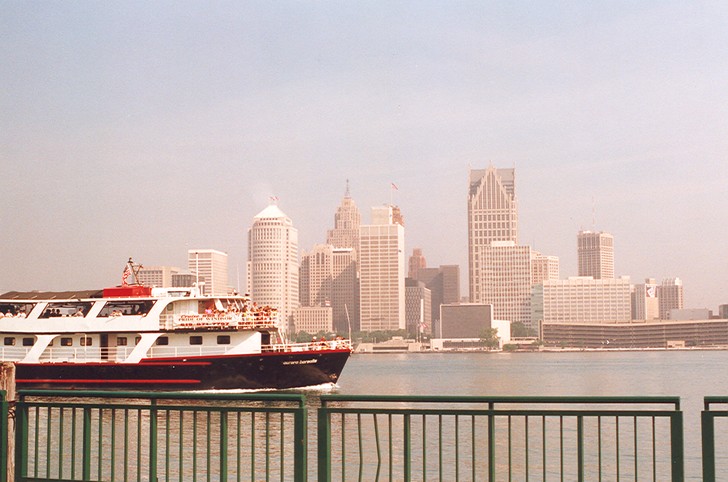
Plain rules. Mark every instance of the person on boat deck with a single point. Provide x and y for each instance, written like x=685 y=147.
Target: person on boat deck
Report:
x=79 y=312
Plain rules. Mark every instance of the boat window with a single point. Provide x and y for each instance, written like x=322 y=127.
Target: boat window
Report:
x=66 y=341
x=196 y=340
x=129 y=307
x=137 y=339
x=120 y=341
x=15 y=310
x=87 y=341
x=66 y=308
x=28 y=341
x=163 y=340
x=223 y=339
x=9 y=341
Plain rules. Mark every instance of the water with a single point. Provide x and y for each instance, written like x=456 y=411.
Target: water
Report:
x=689 y=374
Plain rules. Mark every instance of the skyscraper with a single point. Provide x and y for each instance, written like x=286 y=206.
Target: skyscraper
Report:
x=670 y=296
x=158 y=276
x=645 y=303
x=504 y=277
x=346 y=224
x=416 y=262
x=211 y=266
x=492 y=216
x=382 y=272
x=596 y=254
x=272 y=274
x=316 y=274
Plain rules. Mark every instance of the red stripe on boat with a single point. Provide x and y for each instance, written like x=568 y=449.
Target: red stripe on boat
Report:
x=103 y=381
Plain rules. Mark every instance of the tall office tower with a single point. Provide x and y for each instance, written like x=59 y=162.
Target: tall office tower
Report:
x=492 y=216
x=316 y=275
x=418 y=307
x=444 y=286
x=346 y=224
x=157 y=276
x=645 y=304
x=345 y=291
x=212 y=266
x=382 y=272
x=582 y=300
x=596 y=254
x=505 y=276
x=416 y=262
x=273 y=261
x=544 y=268
x=670 y=294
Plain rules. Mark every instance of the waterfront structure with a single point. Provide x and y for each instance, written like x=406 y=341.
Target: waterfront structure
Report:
x=504 y=276
x=544 y=268
x=313 y=319
x=642 y=334
x=382 y=272
x=212 y=266
x=492 y=216
x=444 y=285
x=464 y=320
x=582 y=300
x=595 y=250
x=418 y=307
x=272 y=267
x=157 y=276
x=416 y=262
x=690 y=314
x=347 y=221
x=670 y=294
x=645 y=303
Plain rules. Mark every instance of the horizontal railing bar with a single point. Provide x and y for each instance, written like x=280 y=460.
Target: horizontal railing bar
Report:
x=291 y=397
x=157 y=407
x=502 y=412
x=675 y=401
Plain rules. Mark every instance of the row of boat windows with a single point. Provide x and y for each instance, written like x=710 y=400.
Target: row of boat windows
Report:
x=120 y=341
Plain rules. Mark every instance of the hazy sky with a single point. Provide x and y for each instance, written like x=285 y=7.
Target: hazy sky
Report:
x=145 y=129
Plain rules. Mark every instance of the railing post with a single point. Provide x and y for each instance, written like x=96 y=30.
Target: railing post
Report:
x=407 y=448
x=86 y=443
x=580 y=448
x=707 y=425
x=153 y=439
x=324 y=443
x=491 y=443
x=676 y=445
x=300 y=450
x=21 y=439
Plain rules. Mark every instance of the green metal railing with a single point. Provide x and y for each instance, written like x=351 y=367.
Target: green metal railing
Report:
x=711 y=439
x=74 y=435
x=499 y=438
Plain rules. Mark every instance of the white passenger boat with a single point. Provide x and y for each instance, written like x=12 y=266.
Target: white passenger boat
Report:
x=137 y=337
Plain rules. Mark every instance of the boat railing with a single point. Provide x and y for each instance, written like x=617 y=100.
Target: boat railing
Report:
x=177 y=351
x=221 y=321
x=339 y=344
x=13 y=353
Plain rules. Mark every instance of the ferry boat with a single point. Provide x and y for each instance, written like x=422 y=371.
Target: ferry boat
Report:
x=142 y=338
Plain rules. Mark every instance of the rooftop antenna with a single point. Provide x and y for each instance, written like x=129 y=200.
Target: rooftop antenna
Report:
x=594 y=214
x=347 y=194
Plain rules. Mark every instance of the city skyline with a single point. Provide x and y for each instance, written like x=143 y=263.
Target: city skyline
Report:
x=172 y=129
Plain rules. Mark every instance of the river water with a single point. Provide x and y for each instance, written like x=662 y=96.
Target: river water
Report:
x=689 y=374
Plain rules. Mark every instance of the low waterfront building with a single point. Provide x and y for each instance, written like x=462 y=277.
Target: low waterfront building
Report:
x=649 y=334
x=466 y=320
